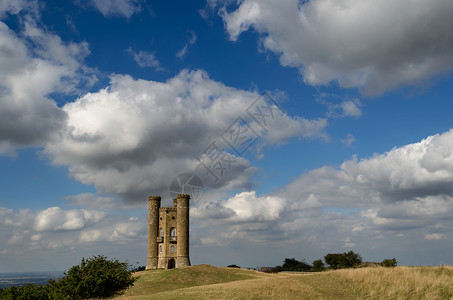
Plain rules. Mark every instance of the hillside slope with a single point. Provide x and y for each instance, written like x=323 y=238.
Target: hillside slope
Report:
x=208 y=282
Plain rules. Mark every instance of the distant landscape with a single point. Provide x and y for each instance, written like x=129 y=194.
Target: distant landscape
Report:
x=345 y=277
x=22 y=278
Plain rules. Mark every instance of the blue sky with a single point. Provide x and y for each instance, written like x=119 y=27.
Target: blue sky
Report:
x=103 y=103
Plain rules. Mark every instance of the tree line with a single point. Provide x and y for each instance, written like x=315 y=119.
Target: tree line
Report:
x=331 y=261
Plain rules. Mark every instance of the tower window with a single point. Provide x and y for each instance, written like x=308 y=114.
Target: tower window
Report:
x=160 y=249
x=172 y=248
x=173 y=231
x=161 y=232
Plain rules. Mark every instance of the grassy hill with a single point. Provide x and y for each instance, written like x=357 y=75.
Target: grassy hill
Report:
x=208 y=282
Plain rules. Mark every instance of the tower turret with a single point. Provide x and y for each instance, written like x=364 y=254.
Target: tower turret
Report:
x=153 y=228
x=182 y=229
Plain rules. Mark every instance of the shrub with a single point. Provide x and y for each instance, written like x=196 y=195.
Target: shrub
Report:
x=234 y=266
x=389 y=263
x=95 y=277
x=25 y=292
x=138 y=269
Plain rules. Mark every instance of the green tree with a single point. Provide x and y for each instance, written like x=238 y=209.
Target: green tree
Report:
x=292 y=264
x=350 y=260
x=343 y=260
x=389 y=263
x=318 y=266
x=332 y=259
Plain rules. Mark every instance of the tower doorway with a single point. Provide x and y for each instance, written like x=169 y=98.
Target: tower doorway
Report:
x=171 y=263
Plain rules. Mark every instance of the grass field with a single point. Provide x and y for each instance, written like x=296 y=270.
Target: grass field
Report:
x=208 y=282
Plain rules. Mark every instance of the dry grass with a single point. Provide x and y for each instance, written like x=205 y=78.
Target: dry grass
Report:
x=400 y=282
x=208 y=282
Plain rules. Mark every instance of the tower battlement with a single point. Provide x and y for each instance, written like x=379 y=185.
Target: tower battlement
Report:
x=168 y=233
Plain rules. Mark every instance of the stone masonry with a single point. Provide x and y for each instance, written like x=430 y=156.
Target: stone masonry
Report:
x=168 y=233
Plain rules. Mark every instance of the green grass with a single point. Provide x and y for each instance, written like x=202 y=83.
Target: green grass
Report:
x=155 y=281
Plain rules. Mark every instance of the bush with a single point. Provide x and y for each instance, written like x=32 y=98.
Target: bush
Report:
x=234 y=266
x=138 y=269
x=95 y=277
x=389 y=263
x=25 y=292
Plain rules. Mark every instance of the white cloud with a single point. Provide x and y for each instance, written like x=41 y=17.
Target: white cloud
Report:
x=36 y=237
x=373 y=46
x=350 y=109
x=121 y=230
x=405 y=194
x=118 y=8
x=56 y=219
x=145 y=59
x=401 y=197
x=435 y=236
x=183 y=51
x=335 y=109
x=129 y=230
x=9 y=218
x=415 y=170
x=135 y=136
x=35 y=64
x=16 y=6
x=311 y=203
x=25 y=233
x=90 y=235
x=349 y=140
x=248 y=207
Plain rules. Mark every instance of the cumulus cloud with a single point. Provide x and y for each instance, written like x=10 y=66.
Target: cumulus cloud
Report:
x=415 y=170
x=408 y=173
x=372 y=46
x=402 y=194
x=56 y=219
x=118 y=8
x=243 y=207
x=29 y=74
x=9 y=218
x=24 y=232
x=135 y=136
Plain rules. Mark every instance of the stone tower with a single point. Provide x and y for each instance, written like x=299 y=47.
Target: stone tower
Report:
x=168 y=233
